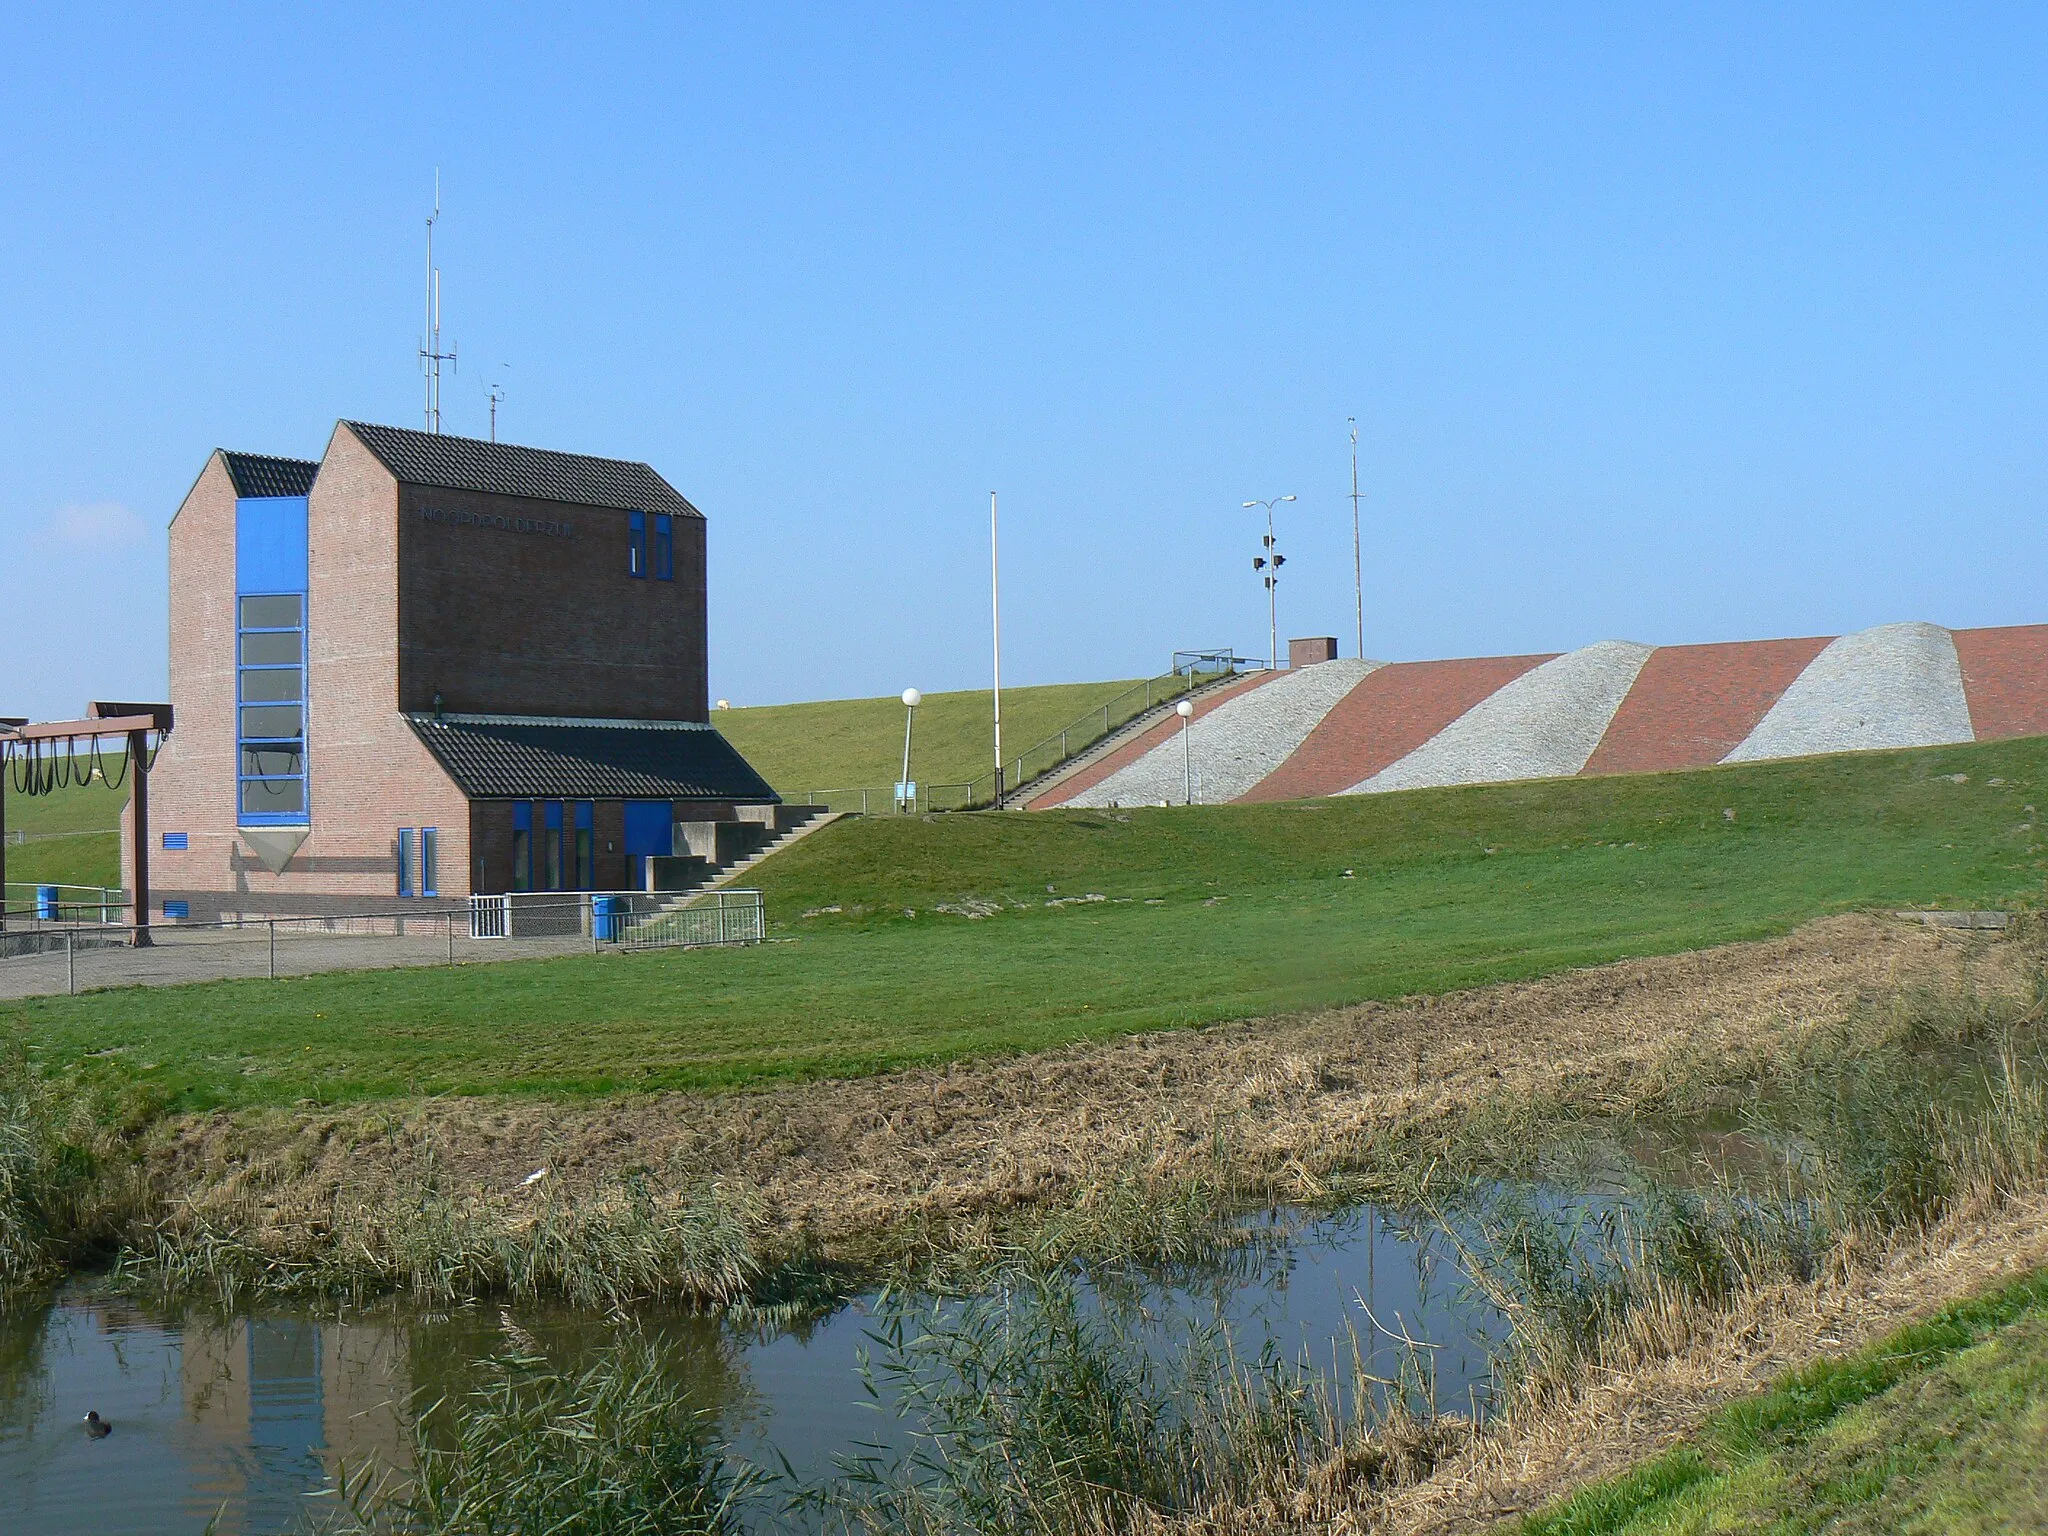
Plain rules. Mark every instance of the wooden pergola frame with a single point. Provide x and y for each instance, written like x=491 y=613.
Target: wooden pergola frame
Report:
x=135 y=722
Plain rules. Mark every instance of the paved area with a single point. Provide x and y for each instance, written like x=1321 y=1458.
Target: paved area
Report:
x=201 y=954
x=1899 y=685
x=1383 y=719
x=1693 y=704
x=1543 y=725
x=1234 y=745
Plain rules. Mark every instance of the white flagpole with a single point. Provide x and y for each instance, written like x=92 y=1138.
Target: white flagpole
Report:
x=995 y=608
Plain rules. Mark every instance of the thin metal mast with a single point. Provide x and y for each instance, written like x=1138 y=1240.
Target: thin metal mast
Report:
x=1357 y=564
x=995 y=608
x=431 y=355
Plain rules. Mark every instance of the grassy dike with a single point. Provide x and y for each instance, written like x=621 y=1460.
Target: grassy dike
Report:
x=1939 y=1427
x=914 y=942
x=856 y=743
x=74 y=836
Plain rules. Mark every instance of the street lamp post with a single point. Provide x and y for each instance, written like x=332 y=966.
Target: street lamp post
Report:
x=1270 y=562
x=906 y=792
x=1186 y=710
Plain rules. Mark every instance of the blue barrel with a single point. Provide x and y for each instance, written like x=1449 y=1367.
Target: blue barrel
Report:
x=605 y=916
x=46 y=903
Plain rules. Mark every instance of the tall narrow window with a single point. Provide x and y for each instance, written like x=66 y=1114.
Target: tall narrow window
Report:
x=586 y=845
x=551 y=845
x=270 y=677
x=636 y=543
x=405 y=857
x=522 y=845
x=664 y=547
x=430 y=851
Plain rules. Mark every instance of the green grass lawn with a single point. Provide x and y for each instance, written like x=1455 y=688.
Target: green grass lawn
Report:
x=89 y=852
x=858 y=743
x=1209 y=913
x=1941 y=1428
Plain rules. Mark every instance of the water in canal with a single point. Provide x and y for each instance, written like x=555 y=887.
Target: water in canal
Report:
x=241 y=1419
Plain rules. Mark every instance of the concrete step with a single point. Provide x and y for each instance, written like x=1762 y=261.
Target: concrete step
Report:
x=725 y=875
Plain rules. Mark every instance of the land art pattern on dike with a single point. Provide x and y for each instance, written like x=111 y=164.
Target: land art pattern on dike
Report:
x=1615 y=706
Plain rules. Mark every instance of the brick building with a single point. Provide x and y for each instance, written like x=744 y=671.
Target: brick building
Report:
x=426 y=667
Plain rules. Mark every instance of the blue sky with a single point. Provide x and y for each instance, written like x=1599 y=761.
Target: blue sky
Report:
x=1667 y=323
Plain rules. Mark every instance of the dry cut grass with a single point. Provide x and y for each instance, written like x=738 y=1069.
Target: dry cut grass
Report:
x=945 y=1159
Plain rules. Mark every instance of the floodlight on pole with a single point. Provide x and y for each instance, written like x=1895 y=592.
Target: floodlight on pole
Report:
x=1269 y=563
x=906 y=791
x=1186 y=710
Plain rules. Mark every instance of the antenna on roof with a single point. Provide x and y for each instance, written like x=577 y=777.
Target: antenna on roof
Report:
x=431 y=355
x=496 y=391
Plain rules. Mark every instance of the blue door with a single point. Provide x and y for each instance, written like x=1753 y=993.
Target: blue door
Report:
x=650 y=834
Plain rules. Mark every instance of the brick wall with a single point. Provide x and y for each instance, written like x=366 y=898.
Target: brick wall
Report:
x=192 y=789
x=402 y=607
x=503 y=621
x=370 y=775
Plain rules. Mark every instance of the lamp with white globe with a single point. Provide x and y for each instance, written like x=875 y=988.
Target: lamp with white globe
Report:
x=1186 y=710
x=906 y=791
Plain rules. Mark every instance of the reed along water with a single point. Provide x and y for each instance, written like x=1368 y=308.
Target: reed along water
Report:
x=245 y=1420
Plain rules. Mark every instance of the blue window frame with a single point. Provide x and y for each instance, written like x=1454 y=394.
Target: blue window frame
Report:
x=405 y=857
x=586 y=845
x=177 y=909
x=664 y=547
x=270 y=692
x=522 y=845
x=430 y=859
x=176 y=842
x=551 y=846
x=636 y=543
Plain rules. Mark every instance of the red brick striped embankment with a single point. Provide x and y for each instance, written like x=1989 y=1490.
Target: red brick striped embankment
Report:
x=1388 y=715
x=1693 y=704
x=1152 y=736
x=2005 y=679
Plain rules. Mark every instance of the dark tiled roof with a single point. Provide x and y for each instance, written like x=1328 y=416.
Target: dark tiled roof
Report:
x=500 y=757
x=258 y=474
x=502 y=469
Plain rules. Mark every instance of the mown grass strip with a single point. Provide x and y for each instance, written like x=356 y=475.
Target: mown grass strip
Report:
x=1096 y=924
x=1732 y=1446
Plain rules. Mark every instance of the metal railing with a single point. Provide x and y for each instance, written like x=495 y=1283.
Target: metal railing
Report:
x=1190 y=670
x=46 y=901
x=720 y=917
x=622 y=919
x=51 y=958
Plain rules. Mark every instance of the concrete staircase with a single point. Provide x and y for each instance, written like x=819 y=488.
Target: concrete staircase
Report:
x=738 y=853
x=1021 y=797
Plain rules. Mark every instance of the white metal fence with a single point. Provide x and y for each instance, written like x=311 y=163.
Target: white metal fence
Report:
x=718 y=917
x=622 y=919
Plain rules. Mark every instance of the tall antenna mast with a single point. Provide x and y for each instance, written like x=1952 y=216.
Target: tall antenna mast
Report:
x=1357 y=564
x=431 y=355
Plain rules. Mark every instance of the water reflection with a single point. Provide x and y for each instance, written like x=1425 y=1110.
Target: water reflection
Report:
x=246 y=1417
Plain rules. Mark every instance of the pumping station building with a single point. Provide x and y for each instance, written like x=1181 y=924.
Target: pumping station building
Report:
x=424 y=667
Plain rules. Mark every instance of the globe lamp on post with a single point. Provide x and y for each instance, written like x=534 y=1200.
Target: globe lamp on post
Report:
x=1186 y=710
x=906 y=791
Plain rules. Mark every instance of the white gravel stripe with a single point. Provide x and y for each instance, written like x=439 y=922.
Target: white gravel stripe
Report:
x=1543 y=725
x=1237 y=743
x=1899 y=685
